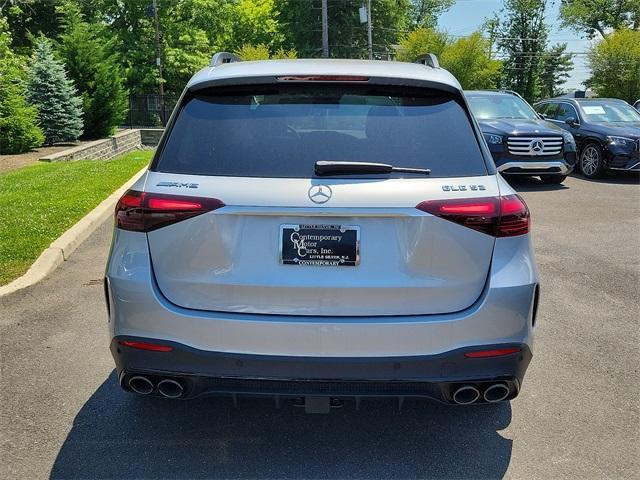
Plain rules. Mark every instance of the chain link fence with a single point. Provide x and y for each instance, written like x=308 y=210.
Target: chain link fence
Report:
x=149 y=111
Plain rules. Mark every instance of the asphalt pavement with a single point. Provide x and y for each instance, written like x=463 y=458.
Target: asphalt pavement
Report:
x=63 y=416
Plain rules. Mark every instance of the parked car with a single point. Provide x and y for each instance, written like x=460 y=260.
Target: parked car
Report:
x=322 y=229
x=521 y=142
x=606 y=130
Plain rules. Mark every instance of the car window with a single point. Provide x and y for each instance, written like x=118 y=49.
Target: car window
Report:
x=282 y=130
x=552 y=110
x=489 y=106
x=565 y=111
x=542 y=109
x=614 y=112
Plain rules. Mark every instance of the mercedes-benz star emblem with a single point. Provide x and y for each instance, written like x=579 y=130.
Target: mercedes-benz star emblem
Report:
x=320 y=194
x=536 y=147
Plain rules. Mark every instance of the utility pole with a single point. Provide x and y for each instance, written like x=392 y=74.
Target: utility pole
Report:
x=325 y=29
x=369 y=32
x=158 y=52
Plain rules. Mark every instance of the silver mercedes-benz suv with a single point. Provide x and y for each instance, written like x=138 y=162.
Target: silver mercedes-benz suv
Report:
x=322 y=229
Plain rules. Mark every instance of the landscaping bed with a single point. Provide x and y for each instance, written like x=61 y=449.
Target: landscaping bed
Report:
x=39 y=203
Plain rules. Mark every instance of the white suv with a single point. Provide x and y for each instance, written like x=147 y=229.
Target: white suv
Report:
x=322 y=229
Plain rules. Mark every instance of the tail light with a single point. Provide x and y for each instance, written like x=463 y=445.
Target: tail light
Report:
x=498 y=352
x=153 y=347
x=144 y=212
x=506 y=216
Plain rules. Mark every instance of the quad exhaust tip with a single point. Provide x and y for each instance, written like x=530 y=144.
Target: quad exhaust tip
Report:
x=141 y=385
x=170 y=388
x=496 y=393
x=466 y=395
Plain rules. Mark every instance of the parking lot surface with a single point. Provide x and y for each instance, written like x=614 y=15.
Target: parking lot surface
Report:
x=577 y=416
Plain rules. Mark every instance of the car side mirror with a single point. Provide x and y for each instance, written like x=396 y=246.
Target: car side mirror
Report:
x=572 y=122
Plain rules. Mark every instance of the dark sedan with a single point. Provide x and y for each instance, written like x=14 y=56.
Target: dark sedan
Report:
x=607 y=131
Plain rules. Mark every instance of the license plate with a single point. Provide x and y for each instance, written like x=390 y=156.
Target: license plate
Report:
x=320 y=245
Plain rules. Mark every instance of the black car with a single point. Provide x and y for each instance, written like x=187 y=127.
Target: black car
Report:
x=606 y=130
x=520 y=140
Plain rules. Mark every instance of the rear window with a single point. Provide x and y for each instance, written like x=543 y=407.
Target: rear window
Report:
x=282 y=130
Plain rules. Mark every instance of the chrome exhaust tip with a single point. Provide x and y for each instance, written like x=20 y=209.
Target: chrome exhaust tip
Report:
x=141 y=385
x=466 y=395
x=170 y=388
x=496 y=393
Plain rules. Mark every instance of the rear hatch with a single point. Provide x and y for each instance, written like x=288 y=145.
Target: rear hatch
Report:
x=289 y=241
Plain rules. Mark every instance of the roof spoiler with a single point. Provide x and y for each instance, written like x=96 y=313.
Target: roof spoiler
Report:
x=428 y=59
x=223 y=57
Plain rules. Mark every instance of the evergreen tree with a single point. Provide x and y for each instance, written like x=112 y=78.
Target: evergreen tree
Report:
x=556 y=68
x=19 y=129
x=96 y=75
x=53 y=94
x=523 y=40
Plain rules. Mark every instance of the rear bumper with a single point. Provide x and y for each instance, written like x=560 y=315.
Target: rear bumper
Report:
x=503 y=314
x=214 y=373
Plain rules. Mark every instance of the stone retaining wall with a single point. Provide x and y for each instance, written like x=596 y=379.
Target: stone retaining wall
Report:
x=151 y=136
x=122 y=142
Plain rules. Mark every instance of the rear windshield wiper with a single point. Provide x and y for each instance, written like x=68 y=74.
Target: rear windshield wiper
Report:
x=324 y=167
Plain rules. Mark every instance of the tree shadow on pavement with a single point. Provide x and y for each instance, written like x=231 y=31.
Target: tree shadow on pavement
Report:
x=533 y=184
x=613 y=177
x=119 y=435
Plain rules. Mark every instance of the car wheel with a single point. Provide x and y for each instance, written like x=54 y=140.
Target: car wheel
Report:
x=591 y=163
x=553 y=178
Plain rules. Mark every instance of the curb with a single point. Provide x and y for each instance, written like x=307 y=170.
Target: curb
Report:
x=63 y=246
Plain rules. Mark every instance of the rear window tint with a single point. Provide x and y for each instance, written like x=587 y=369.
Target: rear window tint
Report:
x=282 y=130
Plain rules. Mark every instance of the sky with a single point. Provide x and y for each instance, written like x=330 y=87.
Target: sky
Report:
x=466 y=16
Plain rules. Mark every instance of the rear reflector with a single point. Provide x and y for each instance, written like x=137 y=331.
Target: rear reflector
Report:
x=323 y=78
x=506 y=216
x=146 y=346
x=499 y=352
x=144 y=212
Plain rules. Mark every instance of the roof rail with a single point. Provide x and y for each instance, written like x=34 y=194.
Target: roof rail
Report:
x=428 y=59
x=224 y=57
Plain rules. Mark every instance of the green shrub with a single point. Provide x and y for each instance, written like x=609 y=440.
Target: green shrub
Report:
x=19 y=131
x=261 y=52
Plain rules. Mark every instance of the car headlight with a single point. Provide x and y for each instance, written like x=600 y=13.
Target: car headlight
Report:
x=621 y=141
x=492 y=139
x=569 y=140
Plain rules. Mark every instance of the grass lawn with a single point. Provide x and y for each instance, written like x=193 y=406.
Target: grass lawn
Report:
x=40 y=202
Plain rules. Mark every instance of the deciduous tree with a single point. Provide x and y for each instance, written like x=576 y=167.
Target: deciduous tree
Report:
x=96 y=74
x=19 y=130
x=420 y=41
x=600 y=16
x=468 y=58
x=615 y=66
x=261 y=52
x=301 y=22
